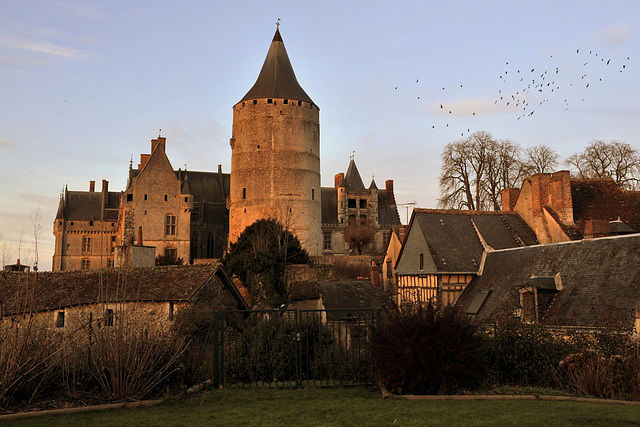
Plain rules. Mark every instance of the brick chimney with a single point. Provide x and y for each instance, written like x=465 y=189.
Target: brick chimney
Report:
x=509 y=198
x=139 y=236
x=388 y=184
x=337 y=179
x=144 y=158
x=92 y=186
x=161 y=141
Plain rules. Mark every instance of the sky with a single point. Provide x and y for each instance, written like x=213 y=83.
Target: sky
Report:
x=86 y=85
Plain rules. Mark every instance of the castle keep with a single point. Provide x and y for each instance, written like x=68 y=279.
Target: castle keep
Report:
x=275 y=160
x=194 y=215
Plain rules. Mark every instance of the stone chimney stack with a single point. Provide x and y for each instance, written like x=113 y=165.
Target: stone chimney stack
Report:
x=92 y=186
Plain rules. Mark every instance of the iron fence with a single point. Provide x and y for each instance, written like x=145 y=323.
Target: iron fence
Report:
x=279 y=348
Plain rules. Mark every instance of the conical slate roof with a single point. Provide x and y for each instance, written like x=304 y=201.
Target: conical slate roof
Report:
x=277 y=79
x=353 y=181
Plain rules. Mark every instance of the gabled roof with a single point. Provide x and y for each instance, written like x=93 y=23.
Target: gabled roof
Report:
x=600 y=281
x=455 y=239
x=56 y=290
x=276 y=78
x=329 y=206
x=211 y=187
x=353 y=181
x=387 y=209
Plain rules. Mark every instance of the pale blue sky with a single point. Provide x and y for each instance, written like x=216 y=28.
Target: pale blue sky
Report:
x=85 y=85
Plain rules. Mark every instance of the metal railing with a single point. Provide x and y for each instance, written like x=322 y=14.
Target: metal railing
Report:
x=281 y=348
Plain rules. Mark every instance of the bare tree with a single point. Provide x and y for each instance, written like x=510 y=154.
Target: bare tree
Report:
x=614 y=159
x=36 y=223
x=476 y=169
x=540 y=159
x=359 y=237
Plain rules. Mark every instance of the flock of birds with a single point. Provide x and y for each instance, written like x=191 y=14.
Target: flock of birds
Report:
x=522 y=90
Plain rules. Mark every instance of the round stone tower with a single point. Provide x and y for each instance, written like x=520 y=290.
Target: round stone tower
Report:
x=275 y=160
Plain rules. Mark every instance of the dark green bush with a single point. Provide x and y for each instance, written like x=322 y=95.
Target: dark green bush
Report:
x=429 y=351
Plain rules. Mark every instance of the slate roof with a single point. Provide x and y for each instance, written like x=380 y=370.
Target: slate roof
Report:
x=453 y=242
x=387 y=209
x=87 y=205
x=349 y=294
x=603 y=199
x=56 y=290
x=329 y=205
x=276 y=78
x=600 y=280
x=353 y=181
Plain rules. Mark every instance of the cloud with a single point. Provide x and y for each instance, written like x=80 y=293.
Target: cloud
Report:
x=81 y=9
x=614 y=36
x=44 y=47
x=5 y=143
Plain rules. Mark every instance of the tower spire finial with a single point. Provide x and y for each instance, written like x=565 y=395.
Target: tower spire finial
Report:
x=278 y=24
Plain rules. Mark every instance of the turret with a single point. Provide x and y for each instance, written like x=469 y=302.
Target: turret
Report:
x=275 y=161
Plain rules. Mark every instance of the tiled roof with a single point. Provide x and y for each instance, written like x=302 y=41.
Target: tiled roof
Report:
x=387 y=209
x=349 y=294
x=454 y=243
x=600 y=280
x=54 y=290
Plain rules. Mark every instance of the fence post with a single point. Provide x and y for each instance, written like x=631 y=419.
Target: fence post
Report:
x=298 y=339
x=216 y=349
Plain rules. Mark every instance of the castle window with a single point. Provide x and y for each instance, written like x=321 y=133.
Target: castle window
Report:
x=71 y=222
x=363 y=220
x=60 y=320
x=313 y=194
x=108 y=317
x=86 y=264
x=91 y=223
x=258 y=146
x=171 y=312
x=195 y=213
x=243 y=103
x=286 y=101
x=110 y=263
x=86 y=244
x=363 y=203
x=113 y=243
x=352 y=203
x=269 y=101
x=171 y=254
x=255 y=101
x=170 y=225
x=244 y=193
x=421 y=261
x=299 y=103
x=145 y=197
x=129 y=197
x=165 y=197
x=210 y=245
x=327 y=240
x=186 y=199
x=385 y=238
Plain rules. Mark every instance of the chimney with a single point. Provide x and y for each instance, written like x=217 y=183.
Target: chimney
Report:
x=105 y=196
x=219 y=168
x=161 y=141
x=509 y=198
x=375 y=274
x=105 y=186
x=18 y=261
x=139 y=236
x=144 y=158
x=388 y=184
x=339 y=177
x=92 y=186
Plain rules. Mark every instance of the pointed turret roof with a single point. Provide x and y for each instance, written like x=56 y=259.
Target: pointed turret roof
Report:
x=277 y=79
x=373 y=185
x=352 y=179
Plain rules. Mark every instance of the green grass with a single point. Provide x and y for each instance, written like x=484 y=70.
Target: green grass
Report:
x=344 y=407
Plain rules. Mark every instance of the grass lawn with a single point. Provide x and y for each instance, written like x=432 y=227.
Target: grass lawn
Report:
x=344 y=406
